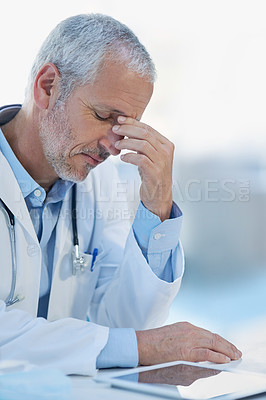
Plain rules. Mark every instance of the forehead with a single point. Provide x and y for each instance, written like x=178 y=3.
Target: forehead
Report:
x=118 y=89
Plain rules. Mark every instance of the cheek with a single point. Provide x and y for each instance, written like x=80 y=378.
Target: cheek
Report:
x=88 y=132
x=84 y=127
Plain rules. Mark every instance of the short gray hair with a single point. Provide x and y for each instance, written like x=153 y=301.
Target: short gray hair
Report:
x=79 y=45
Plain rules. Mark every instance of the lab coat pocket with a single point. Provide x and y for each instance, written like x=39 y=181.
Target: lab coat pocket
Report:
x=85 y=281
x=106 y=273
x=83 y=285
x=106 y=268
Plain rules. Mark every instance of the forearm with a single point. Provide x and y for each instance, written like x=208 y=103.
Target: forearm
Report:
x=68 y=344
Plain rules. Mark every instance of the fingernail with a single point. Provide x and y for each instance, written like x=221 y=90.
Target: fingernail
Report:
x=227 y=359
x=237 y=354
x=117 y=143
x=116 y=128
x=121 y=118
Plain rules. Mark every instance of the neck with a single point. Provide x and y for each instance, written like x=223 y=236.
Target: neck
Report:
x=22 y=134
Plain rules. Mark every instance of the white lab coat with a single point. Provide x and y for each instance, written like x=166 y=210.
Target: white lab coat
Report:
x=121 y=291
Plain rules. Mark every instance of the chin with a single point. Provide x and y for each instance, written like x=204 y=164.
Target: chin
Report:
x=75 y=176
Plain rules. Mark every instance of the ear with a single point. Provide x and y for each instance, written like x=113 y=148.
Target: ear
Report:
x=45 y=89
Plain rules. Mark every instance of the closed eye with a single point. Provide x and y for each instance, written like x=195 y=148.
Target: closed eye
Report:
x=99 y=117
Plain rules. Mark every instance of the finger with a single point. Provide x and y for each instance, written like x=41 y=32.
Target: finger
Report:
x=199 y=354
x=140 y=160
x=146 y=129
x=203 y=338
x=220 y=344
x=140 y=146
x=217 y=343
x=166 y=150
x=136 y=132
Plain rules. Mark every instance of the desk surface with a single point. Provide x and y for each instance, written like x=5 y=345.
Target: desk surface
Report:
x=251 y=340
x=85 y=388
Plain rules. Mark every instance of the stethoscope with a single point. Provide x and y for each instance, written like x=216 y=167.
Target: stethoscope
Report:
x=10 y=300
x=79 y=262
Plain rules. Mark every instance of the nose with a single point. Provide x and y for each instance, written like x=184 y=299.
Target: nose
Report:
x=108 y=141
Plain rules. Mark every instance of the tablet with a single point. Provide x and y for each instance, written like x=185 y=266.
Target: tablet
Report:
x=190 y=381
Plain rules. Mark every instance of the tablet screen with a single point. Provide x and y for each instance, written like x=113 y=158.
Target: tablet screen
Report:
x=193 y=382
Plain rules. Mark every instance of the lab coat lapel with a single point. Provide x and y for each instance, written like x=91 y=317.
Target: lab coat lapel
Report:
x=70 y=295
x=61 y=289
x=27 y=245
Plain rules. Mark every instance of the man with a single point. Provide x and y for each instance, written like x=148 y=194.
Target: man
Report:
x=87 y=91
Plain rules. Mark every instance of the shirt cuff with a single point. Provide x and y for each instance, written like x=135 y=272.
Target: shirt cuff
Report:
x=121 y=349
x=145 y=221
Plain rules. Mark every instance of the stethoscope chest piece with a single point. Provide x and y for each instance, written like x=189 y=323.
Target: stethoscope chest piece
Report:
x=78 y=261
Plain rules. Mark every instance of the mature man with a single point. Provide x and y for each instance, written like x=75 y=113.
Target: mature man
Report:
x=96 y=305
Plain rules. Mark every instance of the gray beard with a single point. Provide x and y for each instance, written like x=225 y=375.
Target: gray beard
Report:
x=55 y=134
x=57 y=138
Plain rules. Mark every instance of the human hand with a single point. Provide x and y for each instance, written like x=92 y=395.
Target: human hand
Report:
x=183 y=341
x=154 y=158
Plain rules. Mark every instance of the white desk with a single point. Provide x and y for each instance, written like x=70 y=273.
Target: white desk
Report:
x=251 y=340
x=84 y=388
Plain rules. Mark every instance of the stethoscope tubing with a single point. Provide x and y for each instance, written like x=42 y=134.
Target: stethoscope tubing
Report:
x=10 y=300
x=78 y=260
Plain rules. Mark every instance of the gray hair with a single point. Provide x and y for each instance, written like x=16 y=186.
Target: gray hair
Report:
x=79 y=46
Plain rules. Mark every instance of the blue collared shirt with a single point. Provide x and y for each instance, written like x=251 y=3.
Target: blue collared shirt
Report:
x=121 y=349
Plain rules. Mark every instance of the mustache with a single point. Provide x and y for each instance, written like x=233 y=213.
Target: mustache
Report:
x=101 y=152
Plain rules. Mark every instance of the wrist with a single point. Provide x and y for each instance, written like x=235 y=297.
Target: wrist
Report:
x=146 y=341
x=163 y=211
x=143 y=347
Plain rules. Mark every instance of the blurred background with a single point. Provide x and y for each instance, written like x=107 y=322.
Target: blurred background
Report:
x=210 y=100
